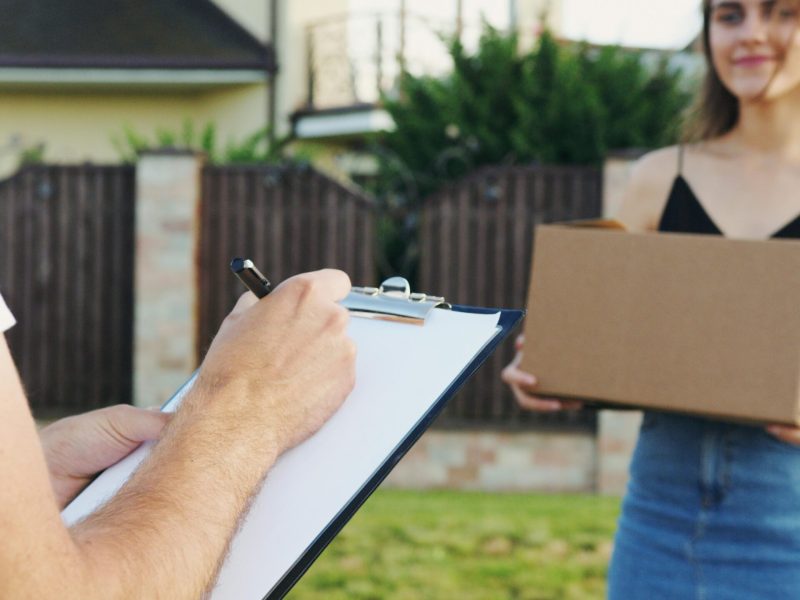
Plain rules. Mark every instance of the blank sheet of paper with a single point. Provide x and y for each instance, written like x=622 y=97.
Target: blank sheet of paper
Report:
x=401 y=371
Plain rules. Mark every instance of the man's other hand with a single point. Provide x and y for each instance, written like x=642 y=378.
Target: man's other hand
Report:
x=78 y=448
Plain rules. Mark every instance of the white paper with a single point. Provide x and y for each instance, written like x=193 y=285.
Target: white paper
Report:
x=401 y=371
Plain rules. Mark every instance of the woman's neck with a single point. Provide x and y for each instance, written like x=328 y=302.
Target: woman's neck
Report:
x=770 y=128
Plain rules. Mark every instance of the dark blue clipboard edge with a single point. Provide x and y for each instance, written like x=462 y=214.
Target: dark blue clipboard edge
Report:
x=508 y=320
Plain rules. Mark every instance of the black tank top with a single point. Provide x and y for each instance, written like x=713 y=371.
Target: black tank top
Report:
x=685 y=214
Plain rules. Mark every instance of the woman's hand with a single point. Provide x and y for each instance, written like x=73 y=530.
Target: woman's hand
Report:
x=785 y=433
x=523 y=384
x=78 y=448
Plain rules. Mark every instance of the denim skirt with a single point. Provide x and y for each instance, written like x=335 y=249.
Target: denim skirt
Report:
x=712 y=512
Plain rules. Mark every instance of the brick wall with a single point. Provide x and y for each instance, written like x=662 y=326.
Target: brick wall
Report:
x=500 y=461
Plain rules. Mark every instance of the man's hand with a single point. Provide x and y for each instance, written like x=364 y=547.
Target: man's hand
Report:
x=79 y=447
x=284 y=363
x=277 y=370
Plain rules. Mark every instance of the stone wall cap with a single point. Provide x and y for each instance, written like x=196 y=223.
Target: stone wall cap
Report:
x=172 y=151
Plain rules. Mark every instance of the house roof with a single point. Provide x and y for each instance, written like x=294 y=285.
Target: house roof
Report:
x=126 y=34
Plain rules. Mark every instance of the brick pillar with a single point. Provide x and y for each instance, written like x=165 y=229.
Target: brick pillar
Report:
x=165 y=296
x=617 y=430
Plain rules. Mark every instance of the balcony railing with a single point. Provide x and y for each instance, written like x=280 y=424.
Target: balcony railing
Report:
x=355 y=59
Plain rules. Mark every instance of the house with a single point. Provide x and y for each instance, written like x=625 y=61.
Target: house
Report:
x=73 y=76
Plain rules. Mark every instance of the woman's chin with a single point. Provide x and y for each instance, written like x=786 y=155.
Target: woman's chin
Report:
x=749 y=94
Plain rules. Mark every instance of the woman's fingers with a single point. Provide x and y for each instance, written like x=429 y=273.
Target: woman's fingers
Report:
x=523 y=385
x=512 y=375
x=535 y=403
x=785 y=433
x=571 y=404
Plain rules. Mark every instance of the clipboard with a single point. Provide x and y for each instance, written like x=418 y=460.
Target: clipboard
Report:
x=256 y=548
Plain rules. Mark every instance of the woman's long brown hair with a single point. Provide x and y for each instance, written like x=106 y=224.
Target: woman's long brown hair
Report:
x=716 y=110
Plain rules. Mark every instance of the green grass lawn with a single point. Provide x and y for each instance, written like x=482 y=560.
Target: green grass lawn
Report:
x=467 y=546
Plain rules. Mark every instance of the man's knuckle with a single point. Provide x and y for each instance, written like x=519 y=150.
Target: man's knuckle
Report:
x=304 y=287
x=340 y=317
x=231 y=318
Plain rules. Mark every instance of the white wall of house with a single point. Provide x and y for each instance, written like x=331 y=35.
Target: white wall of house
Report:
x=79 y=124
x=292 y=80
x=293 y=18
x=237 y=111
x=529 y=19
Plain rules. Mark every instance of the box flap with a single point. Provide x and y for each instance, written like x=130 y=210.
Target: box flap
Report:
x=589 y=224
x=599 y=224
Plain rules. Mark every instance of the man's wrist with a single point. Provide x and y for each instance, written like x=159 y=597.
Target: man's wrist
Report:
x=223 y=408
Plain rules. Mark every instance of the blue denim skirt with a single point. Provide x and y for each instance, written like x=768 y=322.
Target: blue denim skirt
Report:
x=712 y=513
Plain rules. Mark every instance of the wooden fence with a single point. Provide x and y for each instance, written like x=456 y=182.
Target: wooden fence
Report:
x=67 y=251
x=475 y=244
x=288 y=220
x=66 y=266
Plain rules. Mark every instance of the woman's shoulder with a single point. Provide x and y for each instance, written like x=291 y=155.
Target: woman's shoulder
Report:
x=661 y=162
x=648 y=188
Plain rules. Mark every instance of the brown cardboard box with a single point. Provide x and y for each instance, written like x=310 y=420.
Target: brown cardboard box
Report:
x=691 y=323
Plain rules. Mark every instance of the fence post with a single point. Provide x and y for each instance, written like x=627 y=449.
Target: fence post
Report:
x=166 y=279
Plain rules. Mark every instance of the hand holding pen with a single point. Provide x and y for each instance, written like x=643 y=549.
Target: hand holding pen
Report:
x=287 y=353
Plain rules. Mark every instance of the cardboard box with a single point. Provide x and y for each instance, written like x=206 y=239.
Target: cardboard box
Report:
x=698 y=324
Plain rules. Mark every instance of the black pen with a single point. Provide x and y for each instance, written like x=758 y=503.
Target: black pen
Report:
x=251 y=277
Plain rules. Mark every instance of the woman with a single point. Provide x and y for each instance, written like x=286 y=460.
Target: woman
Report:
x=712 y=508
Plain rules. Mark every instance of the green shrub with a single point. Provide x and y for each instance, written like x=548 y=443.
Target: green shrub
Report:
x=254 y=148
x=557 y=104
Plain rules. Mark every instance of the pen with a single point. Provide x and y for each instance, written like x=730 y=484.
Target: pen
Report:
x=251 y=277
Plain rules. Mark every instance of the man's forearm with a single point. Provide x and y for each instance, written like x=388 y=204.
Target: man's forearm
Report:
x=167 y=530
x=162 y=536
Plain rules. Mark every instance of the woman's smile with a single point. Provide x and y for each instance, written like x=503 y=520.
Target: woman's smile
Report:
x=754 y=60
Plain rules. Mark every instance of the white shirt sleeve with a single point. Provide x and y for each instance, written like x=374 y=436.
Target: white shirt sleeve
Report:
x=6 y=318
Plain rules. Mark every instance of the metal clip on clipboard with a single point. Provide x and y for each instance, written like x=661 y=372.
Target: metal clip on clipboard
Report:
x=392 y=301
